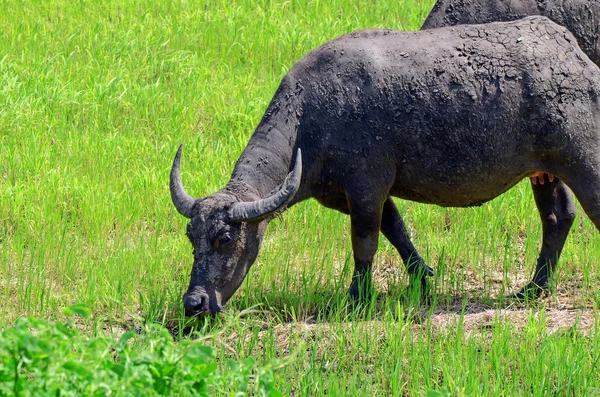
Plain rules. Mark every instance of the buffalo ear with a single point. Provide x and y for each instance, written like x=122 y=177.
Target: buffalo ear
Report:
x=261 y=209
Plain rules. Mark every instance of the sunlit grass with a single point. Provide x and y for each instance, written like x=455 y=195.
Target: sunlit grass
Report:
x=94 y=99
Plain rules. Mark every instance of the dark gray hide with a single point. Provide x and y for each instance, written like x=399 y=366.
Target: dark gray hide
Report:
x=581 y=17
x=453 y=117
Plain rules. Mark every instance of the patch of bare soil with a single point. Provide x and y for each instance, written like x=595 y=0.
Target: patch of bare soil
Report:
x=556 y=319
x=476 y=319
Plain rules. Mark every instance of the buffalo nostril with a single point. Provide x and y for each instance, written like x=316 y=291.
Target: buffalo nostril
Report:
x=195 y=304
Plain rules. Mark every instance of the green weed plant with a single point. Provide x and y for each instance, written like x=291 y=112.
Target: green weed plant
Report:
x=41 y=358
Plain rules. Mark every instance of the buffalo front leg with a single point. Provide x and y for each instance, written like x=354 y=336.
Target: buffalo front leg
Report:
x=394 y=230
x=365 y=218
x=557 y=212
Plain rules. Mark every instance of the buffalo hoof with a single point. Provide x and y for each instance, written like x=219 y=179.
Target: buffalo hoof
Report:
x=530 y=292
x=419 y=287
x=361 y=293
x=419 y=267
x=361 y=296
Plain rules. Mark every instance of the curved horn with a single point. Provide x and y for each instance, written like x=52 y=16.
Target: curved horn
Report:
x=260 y=209
x=182 y=200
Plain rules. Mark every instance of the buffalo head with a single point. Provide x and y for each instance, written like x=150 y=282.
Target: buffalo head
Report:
x=226 y=232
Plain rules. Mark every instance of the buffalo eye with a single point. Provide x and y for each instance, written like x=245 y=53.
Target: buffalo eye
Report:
x=222 y=240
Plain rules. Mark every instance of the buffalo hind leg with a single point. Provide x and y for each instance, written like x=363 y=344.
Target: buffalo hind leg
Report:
x=586 y=187
x=394 y=230
x=557 y=211
x=365 y=218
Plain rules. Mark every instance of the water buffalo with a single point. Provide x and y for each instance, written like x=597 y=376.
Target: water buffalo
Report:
x=453 y=116
x=581 y=17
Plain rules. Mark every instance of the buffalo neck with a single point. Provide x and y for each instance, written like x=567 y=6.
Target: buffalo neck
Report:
x=267 y=159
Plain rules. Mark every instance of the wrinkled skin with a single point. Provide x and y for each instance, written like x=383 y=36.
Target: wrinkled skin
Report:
x=581 y=17
x=453 y=117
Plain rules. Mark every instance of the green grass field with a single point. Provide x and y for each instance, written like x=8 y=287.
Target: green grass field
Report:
x=94 y=99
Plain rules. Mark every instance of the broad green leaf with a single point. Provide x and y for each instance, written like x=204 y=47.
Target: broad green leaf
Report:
x=78 y=369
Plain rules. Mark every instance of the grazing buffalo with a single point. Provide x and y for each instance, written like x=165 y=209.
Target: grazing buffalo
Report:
x=581 y=17
x=453 y=116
